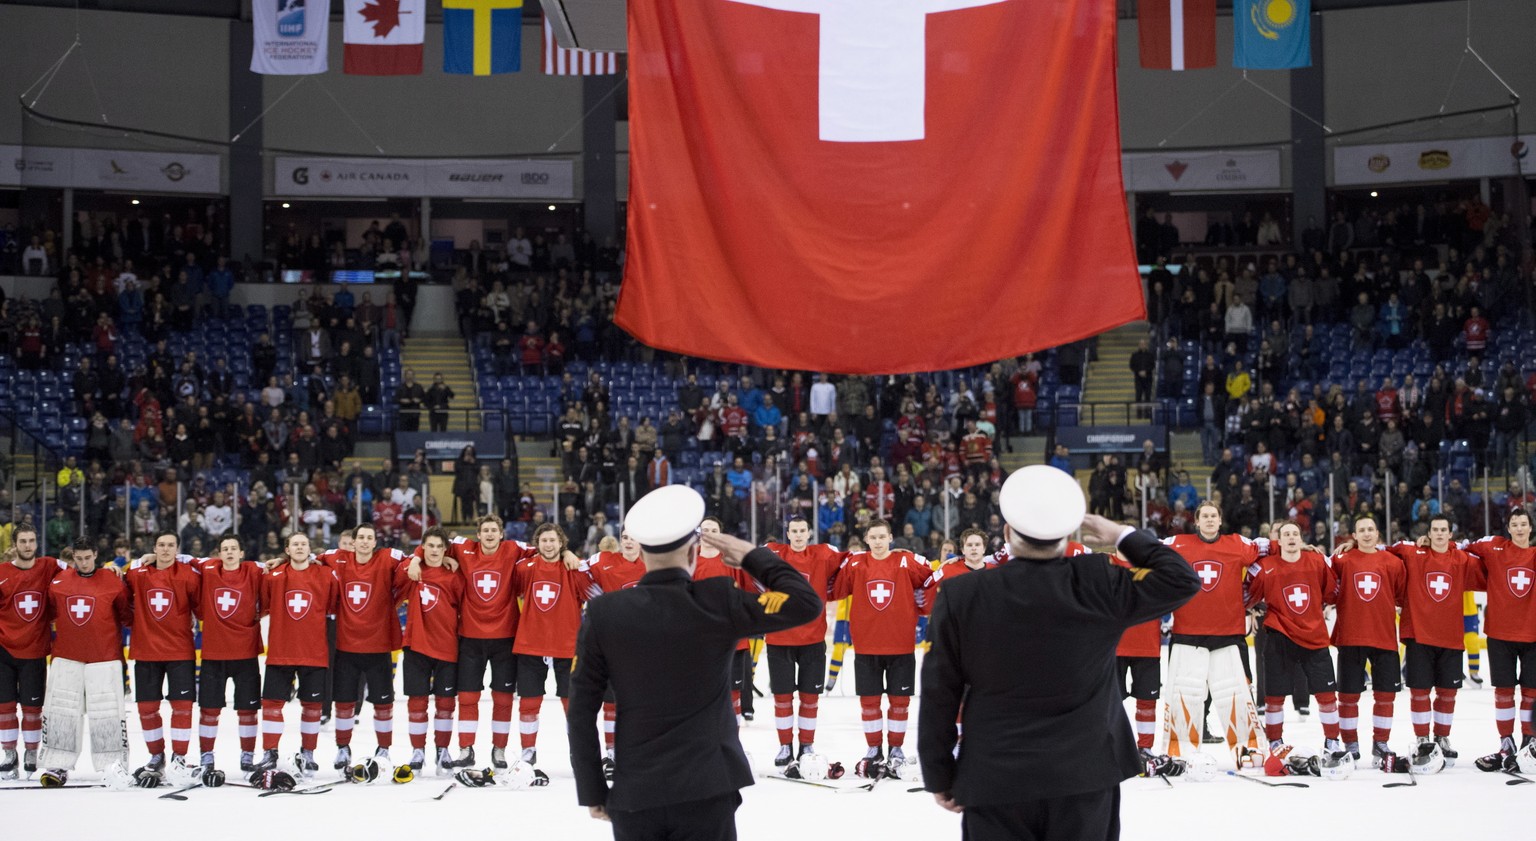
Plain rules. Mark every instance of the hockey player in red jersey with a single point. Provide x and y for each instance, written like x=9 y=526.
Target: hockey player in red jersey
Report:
x=708 y=564
x=430 y=665
x=367 y=630
x=553 y=591
x=229 y=602
x=89 y=610
x=164 y=596
x=1371 y=587
x=797 y=658
x=23 y=649
x=1437 y=573
x=887 y=590
x=609 y=572
x=1508 y=566
x=1208 y=649
x=296 y=595
x=488 y=622
x=1295 y=585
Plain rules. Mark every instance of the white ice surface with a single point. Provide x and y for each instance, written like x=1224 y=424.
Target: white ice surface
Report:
x=1459 y=803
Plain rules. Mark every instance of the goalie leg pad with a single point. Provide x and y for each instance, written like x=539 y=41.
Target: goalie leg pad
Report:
x=1230 y=699
x=104 y=714
x=1188 y=669
x=63 y=706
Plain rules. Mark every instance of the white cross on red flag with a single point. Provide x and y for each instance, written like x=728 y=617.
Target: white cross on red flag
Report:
x=807 y=175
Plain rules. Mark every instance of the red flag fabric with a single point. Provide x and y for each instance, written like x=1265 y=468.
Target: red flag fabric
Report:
x=383 y=37
x=1176 y=34
x=867 y=187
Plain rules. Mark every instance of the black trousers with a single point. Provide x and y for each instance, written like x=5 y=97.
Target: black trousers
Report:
x=713 y=819
x=1078 y=817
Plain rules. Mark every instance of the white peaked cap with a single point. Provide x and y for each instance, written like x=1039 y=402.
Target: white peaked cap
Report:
x=664 y=517
x=1042 y=502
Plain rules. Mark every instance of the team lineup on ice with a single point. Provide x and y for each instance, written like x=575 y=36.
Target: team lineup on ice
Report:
x=1278 y=584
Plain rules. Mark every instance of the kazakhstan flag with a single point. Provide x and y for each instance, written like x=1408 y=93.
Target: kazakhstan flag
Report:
x=1272 y=34
x=482 y=36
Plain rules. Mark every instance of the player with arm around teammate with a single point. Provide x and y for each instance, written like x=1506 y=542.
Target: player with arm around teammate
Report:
x=430 y=662
x=229 y=601
x=553 y=591
x=1295 y=584
x=164 y=595
x=1508 y=567
x=1371 y=587
x=297 y=596
x=24 y=635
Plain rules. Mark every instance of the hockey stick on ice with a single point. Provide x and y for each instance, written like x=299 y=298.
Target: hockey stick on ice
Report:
x=1520 y=779
x=1412 y=781
x=1266 y=782
x=451 y=786
x=180 y=793
x=51 y=788
x=323 y=788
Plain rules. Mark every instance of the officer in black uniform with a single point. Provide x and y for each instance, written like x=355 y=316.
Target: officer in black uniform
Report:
x=1030 y=650
x=667 y=646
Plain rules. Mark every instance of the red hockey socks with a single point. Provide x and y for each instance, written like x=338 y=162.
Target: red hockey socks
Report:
x=501 y=718
x=1445 y=710
x=442 y=722
x=384 y=725
x=1504 y=710
x=1349 y=717
x=869 y=710
x=1328 y=713
x=528 y=720
x=807 y=723
x=896 y=720
x=610 y=716
x=1527 y=706
x=469 y=718
x=150 y=723
x=309 y=724
x=10 y=727
x=784 y=717
x=346 y=715
x=1146 y=722
x=207 y=728
x=1418 y=701
x=181 y=727
x=247 y=719
x=271 y=723
x=416 y=720
x=1274 y=717
x=1381 y=716
x=31 y=727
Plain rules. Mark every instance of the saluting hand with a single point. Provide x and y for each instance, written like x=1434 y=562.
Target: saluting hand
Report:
x=1101 y=531
x=732 y=549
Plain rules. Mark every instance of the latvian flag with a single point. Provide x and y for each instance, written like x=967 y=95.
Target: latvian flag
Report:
x=384 y=37
x=559 y=61
x=1177 y=34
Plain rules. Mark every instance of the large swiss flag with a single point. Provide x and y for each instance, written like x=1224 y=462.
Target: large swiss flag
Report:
x=869 y=186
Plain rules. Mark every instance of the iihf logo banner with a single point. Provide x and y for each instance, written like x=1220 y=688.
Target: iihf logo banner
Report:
x=290 y=36
x=870 y=186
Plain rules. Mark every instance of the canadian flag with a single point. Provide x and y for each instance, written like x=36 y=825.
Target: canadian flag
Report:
x=1177 y=34
x=809 y=176
x=384 y=37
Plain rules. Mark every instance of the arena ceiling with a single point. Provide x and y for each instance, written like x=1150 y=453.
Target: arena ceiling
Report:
x=590 y=24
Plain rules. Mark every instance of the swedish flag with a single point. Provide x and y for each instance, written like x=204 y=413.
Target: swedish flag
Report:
x=1272 y=34
x=482 y=36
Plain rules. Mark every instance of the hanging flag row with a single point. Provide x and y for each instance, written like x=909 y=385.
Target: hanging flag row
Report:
x=1266 y=34
x=386 y=38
